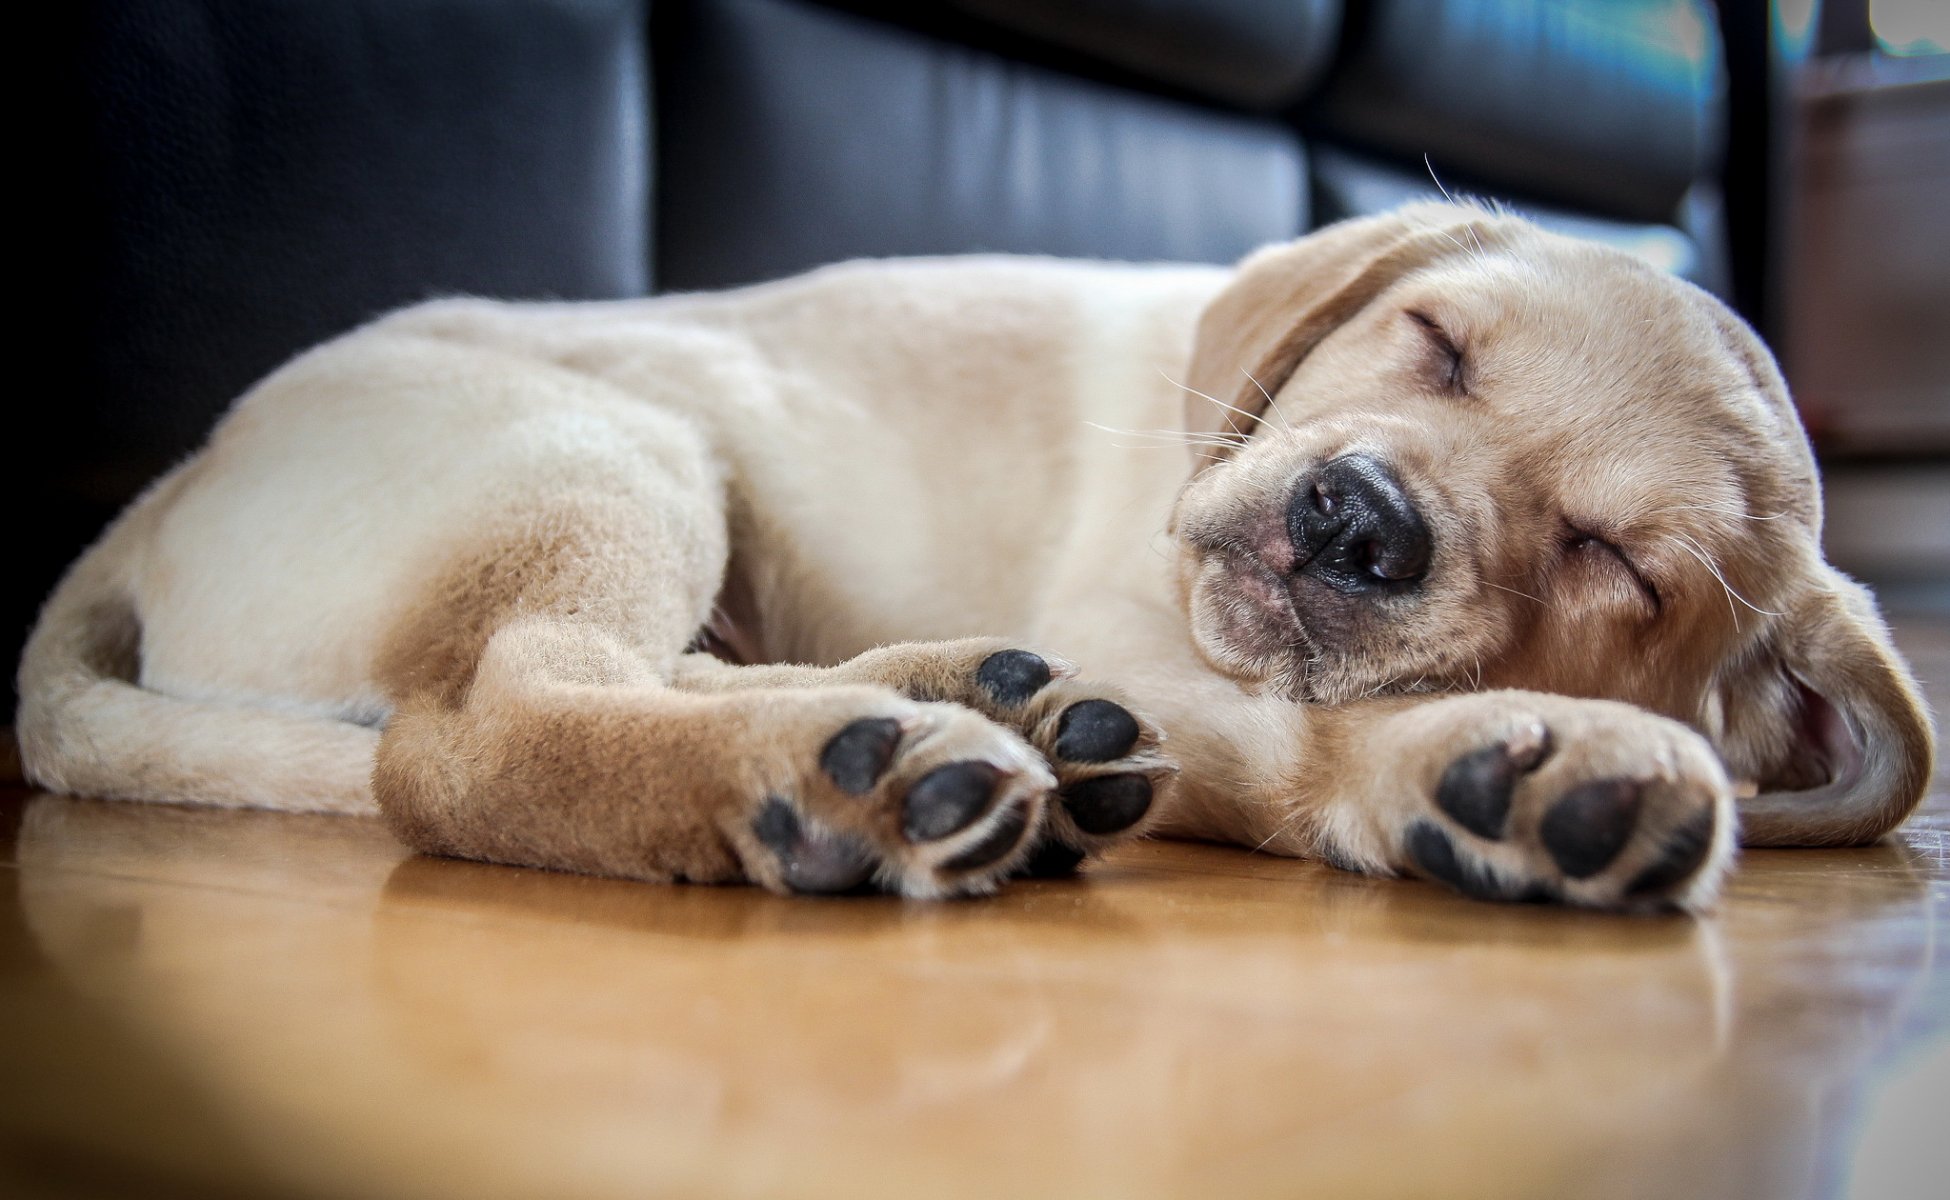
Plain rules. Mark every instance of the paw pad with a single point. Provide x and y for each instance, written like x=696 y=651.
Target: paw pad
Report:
x=1435 y=855
x=1011 y=677
x=1588 y=828
x=1684 y=852
x=1051 y=860
x=947 y=799
x=858 y=755
x=1476 y=789
x=1094 y=731
x=996 y=844
x=820 y=864
x=1108 y=803
x=1432 y=851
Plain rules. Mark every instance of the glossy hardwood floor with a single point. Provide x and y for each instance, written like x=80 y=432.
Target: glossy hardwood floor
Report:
x=232 y=1004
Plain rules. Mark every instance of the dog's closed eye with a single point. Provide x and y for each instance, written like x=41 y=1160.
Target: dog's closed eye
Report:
x=1580 y=544
x=1447 y=354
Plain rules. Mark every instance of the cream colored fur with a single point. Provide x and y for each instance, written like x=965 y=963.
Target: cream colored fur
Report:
x=491 y=530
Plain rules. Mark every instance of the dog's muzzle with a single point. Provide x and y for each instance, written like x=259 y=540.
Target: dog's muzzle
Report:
x=1355 y=530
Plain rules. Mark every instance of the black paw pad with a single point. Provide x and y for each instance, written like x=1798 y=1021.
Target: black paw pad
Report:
x=947 y=799
x=858 y=755
x=1338 y=859
x=1108 y=803
x=777 y=826
x=819 y=864
x=1051 y=860
x=1431 y=850
x=1012 y=676
x=1475 y=790
x=1684 y=852
x=995 y=845
x=1586 y=829
x=1095 y=731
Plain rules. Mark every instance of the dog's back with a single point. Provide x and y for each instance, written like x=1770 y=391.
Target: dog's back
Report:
x=913 y=449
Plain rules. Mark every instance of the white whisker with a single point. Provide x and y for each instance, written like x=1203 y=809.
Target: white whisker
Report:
x=1251 y=418
x=1699 y=552
x=1196 y=446
x=1281 y=828
x=1731 y=611
x=1167 y=442
x=1514 y=592
x=1725 y=511
x=1172 y=435
x=1272 y=405
x=1189 y=388
x=1469 y=229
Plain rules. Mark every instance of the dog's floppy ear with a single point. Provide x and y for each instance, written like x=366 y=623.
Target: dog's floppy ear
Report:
x=1821 y=714
x=1826 y=721
x=1285 y=298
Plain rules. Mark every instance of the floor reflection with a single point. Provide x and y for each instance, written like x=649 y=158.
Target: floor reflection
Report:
x=1183 y=1017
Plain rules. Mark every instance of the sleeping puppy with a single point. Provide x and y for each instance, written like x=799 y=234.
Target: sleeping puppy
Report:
x=1437 y=544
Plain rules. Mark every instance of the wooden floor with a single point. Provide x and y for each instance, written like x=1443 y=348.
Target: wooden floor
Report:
x=219 y=1005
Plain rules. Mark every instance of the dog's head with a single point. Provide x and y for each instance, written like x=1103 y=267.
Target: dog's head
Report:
x=1454 y=451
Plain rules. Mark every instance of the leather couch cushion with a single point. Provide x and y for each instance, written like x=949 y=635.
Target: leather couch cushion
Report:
x=1611 y=105
x=242 y=179
x=259 y=177
x=793 y=135
x=1254 y=54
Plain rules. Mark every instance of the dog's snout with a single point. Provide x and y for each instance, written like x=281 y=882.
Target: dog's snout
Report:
x=1354 y=527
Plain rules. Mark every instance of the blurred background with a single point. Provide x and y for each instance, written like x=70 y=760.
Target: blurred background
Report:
x=243 y=178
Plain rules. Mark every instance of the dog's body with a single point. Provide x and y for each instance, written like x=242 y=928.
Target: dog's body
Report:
x=475 y=545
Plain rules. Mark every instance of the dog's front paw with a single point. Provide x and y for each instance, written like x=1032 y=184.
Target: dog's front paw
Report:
x=922 y=799
x=1110 y=769
x=1551 y=799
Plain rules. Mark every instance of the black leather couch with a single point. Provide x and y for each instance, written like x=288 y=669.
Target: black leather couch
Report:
x=252 y=176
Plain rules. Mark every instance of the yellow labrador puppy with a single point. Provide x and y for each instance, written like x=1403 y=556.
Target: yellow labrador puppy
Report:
x=1494 y=559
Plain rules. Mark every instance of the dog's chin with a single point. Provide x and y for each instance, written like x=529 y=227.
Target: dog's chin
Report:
x=1247 y=627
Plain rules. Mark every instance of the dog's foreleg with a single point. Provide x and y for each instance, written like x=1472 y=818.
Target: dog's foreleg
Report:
x=1501 y=795
x=1510 y=795
x=1111 y=772
x=535 y=722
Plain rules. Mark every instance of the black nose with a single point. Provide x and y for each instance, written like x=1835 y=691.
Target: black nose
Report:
x=1355 y=529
